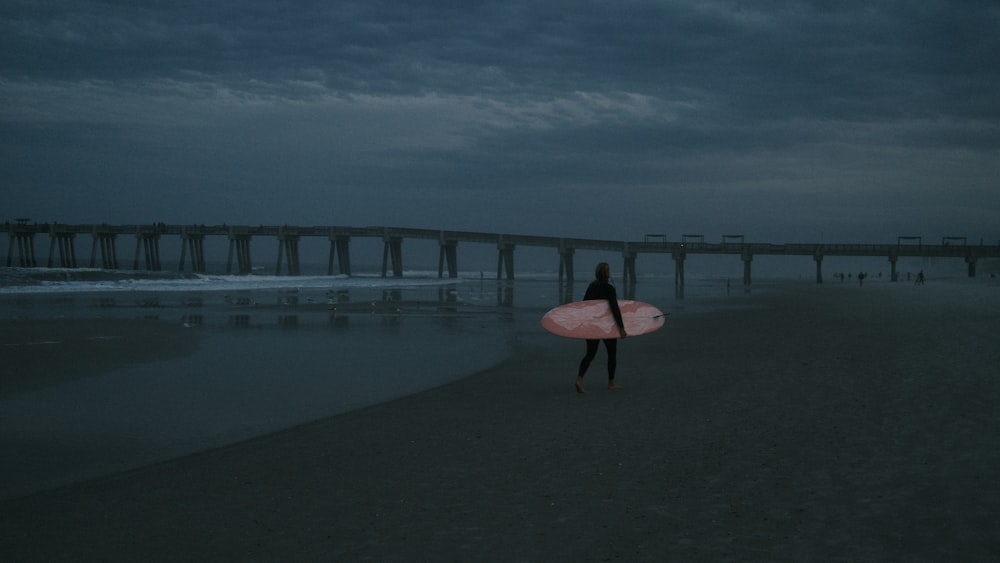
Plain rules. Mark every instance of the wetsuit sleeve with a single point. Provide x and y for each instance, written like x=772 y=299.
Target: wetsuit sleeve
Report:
x=616 y=311
x=606 y=291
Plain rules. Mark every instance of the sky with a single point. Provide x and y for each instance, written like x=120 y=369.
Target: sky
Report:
x=783 y=121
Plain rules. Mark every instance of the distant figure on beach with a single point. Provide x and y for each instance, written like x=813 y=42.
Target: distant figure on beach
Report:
x=920 y=278
x=861 y=278
x=601 y=288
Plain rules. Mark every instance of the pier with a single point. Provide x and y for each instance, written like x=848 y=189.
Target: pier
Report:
x=21 y=250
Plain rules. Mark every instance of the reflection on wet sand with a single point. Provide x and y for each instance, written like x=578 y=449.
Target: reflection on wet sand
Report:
x=39 y=353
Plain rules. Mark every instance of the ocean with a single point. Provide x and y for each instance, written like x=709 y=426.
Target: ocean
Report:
x=147 y=367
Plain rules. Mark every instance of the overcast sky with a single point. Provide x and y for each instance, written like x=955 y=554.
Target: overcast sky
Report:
x=853 y=121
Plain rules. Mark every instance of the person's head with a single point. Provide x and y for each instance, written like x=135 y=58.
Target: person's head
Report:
x=603 y=272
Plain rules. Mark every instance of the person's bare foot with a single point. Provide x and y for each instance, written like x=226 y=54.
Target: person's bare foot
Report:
x=612 y=386
x=579 y=386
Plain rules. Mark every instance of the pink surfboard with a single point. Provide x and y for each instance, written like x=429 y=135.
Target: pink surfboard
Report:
x=593 y=319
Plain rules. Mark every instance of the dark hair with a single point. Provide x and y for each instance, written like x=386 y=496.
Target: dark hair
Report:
x=603 y=272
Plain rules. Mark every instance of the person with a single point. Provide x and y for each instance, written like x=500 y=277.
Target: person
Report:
x=601 y=288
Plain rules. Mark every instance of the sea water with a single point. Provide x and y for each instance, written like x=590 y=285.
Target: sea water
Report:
x=272 y=352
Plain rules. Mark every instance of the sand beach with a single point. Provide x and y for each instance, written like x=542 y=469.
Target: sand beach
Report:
x=797 y=422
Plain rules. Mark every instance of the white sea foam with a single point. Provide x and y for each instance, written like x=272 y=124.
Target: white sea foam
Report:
x=89 y=281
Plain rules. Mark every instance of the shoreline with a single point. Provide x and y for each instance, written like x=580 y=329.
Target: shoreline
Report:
x=92 y=388
x=857 y=426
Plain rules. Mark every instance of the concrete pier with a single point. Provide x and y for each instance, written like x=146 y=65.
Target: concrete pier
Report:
x=448 y=255
x=193 y=243
x=26 y=249
x=392 y=250
x=104 y=240
x=971 y=262
x=747 y=260
x=288 y=245
x=21 y=248
x=505 y=259
x=566 y=263
x=149 y=245
x=25 y=241
x=63 y=242
x=239 y=244
x=679 y=256
x=628 y=268
x=340 y=248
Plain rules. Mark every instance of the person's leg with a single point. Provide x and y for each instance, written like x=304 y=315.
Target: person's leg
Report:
x=585 y=363
x=611 y=345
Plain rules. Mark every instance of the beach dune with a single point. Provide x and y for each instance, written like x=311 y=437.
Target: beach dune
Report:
x=809 y=422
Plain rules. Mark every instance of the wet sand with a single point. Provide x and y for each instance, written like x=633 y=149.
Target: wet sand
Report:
x=39 y=353
x=822 y=423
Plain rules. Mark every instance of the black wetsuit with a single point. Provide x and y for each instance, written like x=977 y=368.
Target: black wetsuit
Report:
x=603 y=290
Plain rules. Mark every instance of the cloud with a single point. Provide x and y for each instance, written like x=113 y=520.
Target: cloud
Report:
x=717 y=111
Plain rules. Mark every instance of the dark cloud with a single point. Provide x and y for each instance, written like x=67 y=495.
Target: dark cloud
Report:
x=706 y=113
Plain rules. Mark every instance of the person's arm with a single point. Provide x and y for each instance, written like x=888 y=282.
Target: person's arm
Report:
x=616 y=311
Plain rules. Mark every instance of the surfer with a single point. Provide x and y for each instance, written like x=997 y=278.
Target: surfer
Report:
x=601 y=288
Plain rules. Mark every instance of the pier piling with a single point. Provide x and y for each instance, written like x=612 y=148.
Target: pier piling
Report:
x=105 y=241
x=239 y=244
x=679 y=257
x=392 y=250
x=747 y=260
x=149 y=246
x=288 y=244
x=25 y=249
x=505 y=260
x=565 y=263
x=22 y=235
x=193 y=242
x=64 y=244
x=340 y=248
x=628 y=268
x=448 y=254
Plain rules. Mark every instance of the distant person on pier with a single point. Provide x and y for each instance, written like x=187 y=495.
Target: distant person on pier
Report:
x=601 y=288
